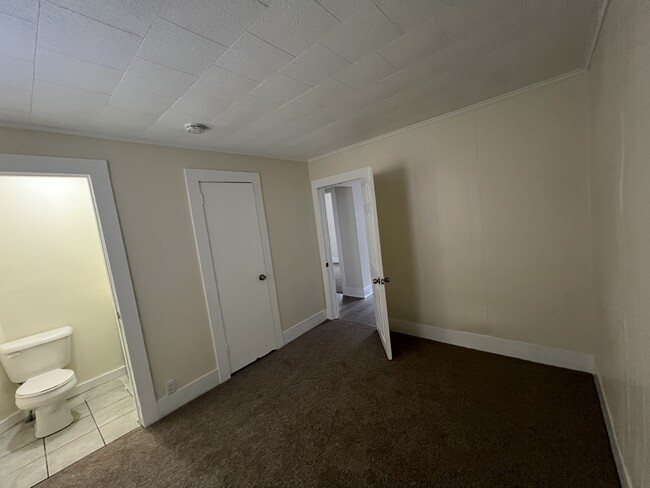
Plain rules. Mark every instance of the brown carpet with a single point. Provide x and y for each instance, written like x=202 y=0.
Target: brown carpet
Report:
x=329 y=410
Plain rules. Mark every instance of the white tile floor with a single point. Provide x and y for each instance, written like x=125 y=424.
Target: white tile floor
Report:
x=101 y=415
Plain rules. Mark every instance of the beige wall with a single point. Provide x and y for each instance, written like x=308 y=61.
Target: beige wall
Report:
x=483 y=218
x=620 y=188
x=151 y=198
x=53 y=273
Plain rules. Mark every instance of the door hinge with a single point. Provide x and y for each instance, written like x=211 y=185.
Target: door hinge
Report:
x=202 y=199
x=119 y=315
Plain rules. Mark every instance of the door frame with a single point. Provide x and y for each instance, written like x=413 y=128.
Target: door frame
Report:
x=97 y=174
x=193 y=180
x=318 y=191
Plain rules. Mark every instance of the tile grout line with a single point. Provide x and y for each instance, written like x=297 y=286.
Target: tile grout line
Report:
x=47 y=464
x=92 y=415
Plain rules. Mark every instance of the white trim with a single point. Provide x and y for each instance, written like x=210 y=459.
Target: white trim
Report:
x=352 y=291
x=304 y=326
x=367 y=291
x=438 y=118
x=96 y=381
x=623 y=475
x=189 y=392
x=96 y=171
x=593 y=42
x=562 y=358
x=13 y=419
x=193 y=180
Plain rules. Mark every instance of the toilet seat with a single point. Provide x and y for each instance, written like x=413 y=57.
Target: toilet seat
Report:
x=44 y=383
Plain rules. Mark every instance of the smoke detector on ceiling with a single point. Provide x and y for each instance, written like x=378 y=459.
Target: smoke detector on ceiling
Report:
x=194 y=128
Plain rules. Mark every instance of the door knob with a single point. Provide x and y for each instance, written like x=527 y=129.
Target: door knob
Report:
x=376 y=281
x=387 y=280
x=262 y=277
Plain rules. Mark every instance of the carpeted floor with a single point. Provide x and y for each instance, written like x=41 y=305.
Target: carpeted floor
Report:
x=329 y=410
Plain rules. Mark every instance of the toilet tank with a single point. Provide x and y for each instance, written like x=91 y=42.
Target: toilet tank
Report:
x=36 y=354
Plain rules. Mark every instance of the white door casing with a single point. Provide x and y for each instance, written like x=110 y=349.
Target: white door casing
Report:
x=96 y=171
x=374 y=247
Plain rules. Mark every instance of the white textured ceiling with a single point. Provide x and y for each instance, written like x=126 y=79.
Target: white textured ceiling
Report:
x=282 y=78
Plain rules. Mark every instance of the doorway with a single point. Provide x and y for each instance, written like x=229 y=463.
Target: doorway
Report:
x=349 y=252
x=235 y=259
x=354 y=190
x=94 y=176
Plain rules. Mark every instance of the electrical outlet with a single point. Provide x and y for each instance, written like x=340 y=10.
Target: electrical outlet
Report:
x=170 y=387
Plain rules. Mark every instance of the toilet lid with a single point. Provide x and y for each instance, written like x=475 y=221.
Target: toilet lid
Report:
x=45 y=382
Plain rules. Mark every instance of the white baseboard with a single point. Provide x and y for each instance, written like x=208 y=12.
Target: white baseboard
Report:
x=304 y=326
x=187 y=393
x=19 y=415
x=618 y=458
x=98 y=380
x=12 y=420
x=522 y=350
x=352 y=291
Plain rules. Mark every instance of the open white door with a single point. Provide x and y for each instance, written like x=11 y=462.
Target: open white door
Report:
x=374 y=248
x=376 y=266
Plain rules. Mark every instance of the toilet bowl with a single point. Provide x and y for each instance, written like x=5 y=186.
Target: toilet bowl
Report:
x=46 y=395
x=37 y=362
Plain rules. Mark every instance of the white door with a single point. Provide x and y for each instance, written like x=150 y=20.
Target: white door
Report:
x=376 y=265
x=239 y=267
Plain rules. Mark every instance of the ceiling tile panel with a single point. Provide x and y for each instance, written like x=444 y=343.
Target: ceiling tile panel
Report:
x=251 y=108
x=144 y=102
x=361 y=34
x=73 y=34
x=344 y=9
x=177 y=48
x=327 y=93
x=315 y=65
x=77 y=73
x=366 y=71
x=54 y=114
x=280 y=88
x=124 y=122
x=25 y=9
x=294 y=25
x=406 y=17
x=16 y=73
x=197 y=104
x=415 y=45
x=464 y=17
x=410 y=76
x=296 y=109
x=253 y=58
x=222 y=21
x=17 y=37
x=223 y=84
x=369 y=95
x=147 y=76
x=467 y=49
x=72 y=98
x=129 y=15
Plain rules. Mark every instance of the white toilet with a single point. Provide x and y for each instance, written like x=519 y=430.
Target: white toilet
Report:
x=36 y=362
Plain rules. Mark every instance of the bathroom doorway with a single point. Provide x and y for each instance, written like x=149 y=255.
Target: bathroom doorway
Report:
x=63 y=264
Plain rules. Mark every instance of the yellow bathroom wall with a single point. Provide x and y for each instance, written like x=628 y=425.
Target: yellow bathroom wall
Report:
x=52 y=273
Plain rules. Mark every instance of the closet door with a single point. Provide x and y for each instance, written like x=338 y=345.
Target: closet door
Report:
x=233 y=225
